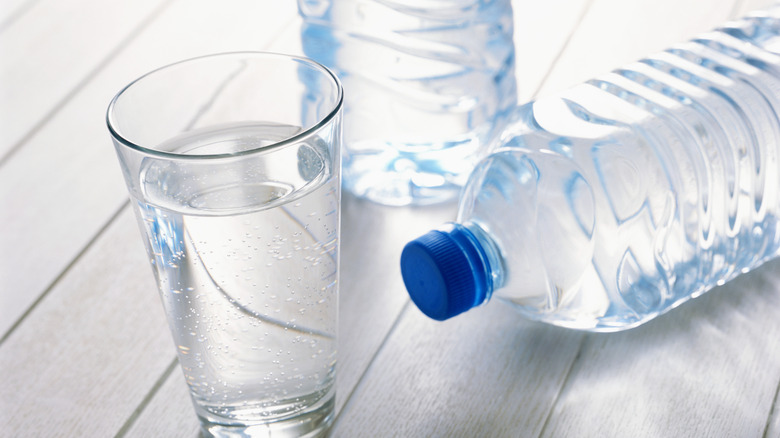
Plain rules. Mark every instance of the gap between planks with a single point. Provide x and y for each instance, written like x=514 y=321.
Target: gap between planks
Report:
x=772 y=428
x=85 y=80
x=62 y=274
x=370 y=364
x=574 y=363
x=16 y=13
x=563 y=48
x=147 y=399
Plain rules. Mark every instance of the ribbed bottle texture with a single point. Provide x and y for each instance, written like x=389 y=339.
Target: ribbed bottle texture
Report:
x=618 y=199
x=424 y=85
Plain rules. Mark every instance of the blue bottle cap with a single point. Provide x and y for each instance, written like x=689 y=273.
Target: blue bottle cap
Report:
x=445 y=272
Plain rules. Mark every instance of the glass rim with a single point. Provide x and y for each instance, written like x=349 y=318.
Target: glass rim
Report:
x=297 y=138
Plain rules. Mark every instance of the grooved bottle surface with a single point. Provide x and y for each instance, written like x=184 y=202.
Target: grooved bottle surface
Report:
x=614 y=201
x=424 y=83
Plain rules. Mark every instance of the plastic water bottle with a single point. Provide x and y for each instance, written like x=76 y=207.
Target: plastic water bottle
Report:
x=617 y=200
x=424 y=83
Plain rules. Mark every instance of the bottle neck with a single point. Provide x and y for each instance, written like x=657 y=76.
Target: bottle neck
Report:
x=488 y=252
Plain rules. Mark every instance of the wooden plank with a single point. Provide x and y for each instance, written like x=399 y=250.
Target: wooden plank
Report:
x=484 y=373
x=709 y=368
x=542 y=30
x=773 y=425
x=372 y=291
x=616 y=32
x=68 y=169
x=11 y=10
x=92 y=348
x=52 y=47
x=169 y=414
x=744 y=7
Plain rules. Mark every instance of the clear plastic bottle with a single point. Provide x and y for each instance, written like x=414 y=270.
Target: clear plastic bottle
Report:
x=615 y=201
x=424 y=84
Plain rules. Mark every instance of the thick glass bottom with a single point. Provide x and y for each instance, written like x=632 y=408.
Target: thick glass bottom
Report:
x=311 y=423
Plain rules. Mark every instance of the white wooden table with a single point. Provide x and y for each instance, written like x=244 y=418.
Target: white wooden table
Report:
x=84 y=347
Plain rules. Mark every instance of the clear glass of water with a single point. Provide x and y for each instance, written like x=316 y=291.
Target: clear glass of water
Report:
x=232 y=162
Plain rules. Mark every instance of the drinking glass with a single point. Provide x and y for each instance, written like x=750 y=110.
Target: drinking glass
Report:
x=232 y=163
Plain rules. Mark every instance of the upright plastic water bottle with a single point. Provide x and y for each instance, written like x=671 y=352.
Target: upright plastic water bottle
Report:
x=424 y=83
x=613 y=202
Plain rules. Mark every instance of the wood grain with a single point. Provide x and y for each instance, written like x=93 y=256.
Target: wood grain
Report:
x=84 y=347
x=91 y=350
x=483 y=373
x=168 y=414
x=617 y=32
x=12 y=10
x=709 y=368
x=542 y=31
x=69 y=164
x=49 y=51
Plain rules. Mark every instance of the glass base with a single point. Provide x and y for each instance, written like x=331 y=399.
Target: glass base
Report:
x=312 y=423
